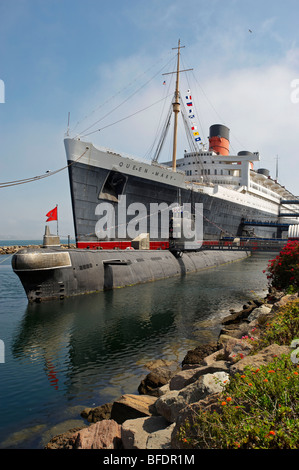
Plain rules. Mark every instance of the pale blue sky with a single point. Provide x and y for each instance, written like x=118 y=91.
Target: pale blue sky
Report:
x=86 y=57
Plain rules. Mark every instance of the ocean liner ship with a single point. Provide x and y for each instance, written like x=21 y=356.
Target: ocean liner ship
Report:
x=237 y=200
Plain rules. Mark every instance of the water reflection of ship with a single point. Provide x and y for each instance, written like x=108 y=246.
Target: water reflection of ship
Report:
x=90 y=335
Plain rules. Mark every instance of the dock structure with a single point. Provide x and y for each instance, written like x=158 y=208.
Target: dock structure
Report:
x=281 y=226
x=247 y=244
x=289 y=202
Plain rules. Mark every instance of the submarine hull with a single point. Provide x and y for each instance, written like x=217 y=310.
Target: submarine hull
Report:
x=55 y=273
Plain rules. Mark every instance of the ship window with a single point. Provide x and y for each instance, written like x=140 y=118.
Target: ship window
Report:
x=113 y=187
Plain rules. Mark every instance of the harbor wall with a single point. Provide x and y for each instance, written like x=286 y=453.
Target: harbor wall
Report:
x=48 y=274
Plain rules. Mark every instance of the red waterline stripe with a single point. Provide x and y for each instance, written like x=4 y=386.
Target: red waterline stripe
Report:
x=121 y=245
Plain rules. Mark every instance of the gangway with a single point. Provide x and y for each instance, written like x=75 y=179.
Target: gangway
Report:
x=266 y=223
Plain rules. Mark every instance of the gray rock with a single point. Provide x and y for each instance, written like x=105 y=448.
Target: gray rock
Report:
x=284 y=300
x=105 y=434
x=240 y=349
x=186 y=377
x=163 y=390
x=133 y=406
x=141 y=432
x=160 y=439
x=195 y=356
x=156 y=379
x=170 y=404
x=180 y=380
x=92 y=415
x=261 y=358
x=262 y=310
x=234 y=330
x=238 y=316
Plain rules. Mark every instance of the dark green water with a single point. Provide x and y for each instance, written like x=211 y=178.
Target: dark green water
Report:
x=61 y=357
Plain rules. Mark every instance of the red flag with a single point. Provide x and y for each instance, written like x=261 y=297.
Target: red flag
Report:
x=52 y=215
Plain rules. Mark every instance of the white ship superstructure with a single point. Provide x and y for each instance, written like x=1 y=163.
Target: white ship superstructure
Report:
x=233 y=178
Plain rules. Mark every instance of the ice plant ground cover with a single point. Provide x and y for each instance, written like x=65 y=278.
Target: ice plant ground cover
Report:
x=259 y=409
x=283 y=329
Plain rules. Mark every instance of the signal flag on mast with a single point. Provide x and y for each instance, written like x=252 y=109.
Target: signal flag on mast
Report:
x=191 y=115
x=52 y=215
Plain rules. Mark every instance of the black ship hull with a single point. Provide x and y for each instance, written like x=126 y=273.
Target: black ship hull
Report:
x=220 y=217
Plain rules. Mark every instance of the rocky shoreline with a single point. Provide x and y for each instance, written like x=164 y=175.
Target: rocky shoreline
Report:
x=11 y=249
x=171 y=392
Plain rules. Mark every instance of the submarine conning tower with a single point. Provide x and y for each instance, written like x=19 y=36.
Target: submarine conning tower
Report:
x=219 y=139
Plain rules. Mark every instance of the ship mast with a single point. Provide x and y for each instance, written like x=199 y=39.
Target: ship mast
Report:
x=176 y=104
